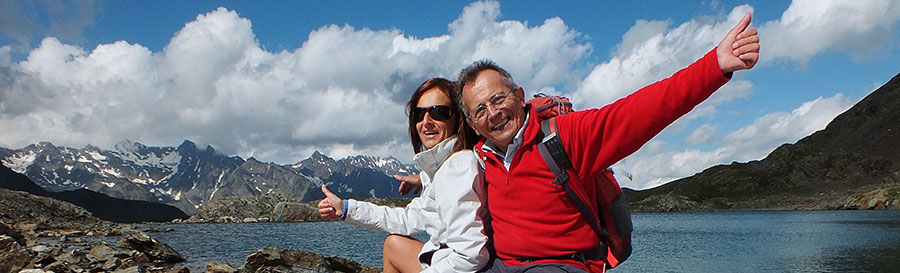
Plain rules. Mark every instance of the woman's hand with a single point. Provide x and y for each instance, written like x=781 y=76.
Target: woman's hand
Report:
x=409 y=183
x=332 y=207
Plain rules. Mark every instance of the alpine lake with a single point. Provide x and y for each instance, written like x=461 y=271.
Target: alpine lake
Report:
x=732 y=241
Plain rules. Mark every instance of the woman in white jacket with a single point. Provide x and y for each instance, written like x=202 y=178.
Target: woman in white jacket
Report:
x=449 y=208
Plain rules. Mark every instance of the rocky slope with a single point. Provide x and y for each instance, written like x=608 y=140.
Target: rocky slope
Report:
x=854 y=163
x=36 y=214
x=99 y=205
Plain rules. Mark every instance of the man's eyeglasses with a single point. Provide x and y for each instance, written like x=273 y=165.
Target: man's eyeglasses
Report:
x=498 y=101
x=437 y=112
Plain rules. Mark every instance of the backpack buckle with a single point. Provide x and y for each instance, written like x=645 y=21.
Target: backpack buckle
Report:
x=560 y=180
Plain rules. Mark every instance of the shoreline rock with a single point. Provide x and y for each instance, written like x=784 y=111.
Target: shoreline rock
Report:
x=274 y=259
x=70 y=252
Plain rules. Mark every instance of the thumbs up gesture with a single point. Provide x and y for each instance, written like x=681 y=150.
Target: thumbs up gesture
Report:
x=739 y=49
x=332 y=207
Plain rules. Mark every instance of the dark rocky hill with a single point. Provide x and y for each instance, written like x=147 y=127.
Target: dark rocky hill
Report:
x=99 y=205
x=34 y=213
x=854 y=163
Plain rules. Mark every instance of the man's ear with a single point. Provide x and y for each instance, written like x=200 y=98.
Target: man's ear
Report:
x=521 y=94
x=469 y=122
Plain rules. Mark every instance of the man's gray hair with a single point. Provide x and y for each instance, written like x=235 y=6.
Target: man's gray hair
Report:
x=468 y=75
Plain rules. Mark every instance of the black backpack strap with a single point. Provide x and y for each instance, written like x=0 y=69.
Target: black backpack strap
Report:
x=552 y=151
x=554 y=154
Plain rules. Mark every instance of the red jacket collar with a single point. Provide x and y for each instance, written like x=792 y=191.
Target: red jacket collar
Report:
x=532 y=125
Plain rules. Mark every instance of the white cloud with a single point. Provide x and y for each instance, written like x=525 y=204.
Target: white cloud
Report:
x=703 y=134
x=536 y=56
x=650 y=51
x=342 y=91
x=810 y=27
x=653 y=166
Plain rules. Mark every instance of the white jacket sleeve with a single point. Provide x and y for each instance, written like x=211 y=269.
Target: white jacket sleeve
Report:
x=405 y=221
x=458 y=184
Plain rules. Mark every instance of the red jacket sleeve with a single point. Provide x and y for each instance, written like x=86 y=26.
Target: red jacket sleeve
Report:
x=597 y=138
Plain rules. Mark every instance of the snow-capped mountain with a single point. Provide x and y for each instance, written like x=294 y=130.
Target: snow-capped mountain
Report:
x=187 y=177
x=358 y=177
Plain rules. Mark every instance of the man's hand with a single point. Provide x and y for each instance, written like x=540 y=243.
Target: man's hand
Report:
x=408 y=183
x=739 y=49
x=332 y=207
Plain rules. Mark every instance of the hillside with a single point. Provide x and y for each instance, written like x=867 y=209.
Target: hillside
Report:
x=99 y=205
x=854 y=163
x=22 y=209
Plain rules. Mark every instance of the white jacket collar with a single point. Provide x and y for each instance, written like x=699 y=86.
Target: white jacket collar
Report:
x=430 y=160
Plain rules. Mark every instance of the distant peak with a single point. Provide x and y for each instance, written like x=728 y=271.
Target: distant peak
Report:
x=129 y=146
x=43 y=145
x=320 y=156
x=187 y=144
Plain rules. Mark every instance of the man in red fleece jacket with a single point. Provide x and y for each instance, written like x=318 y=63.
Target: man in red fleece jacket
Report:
x=536 y=227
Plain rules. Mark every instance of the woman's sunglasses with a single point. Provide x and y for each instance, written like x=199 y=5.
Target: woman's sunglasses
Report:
x=437 y=112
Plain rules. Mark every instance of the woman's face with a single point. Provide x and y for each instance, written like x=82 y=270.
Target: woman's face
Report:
x=437 y=123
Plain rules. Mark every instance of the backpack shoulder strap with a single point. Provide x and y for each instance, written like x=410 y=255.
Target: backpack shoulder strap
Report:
x=554 y=154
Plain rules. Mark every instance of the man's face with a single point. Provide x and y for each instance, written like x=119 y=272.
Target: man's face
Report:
x=495 y=112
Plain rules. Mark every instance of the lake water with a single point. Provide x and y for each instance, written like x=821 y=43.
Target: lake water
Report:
x=766 y=241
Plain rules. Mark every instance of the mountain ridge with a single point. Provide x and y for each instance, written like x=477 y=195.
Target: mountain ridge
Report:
x=188 y=177
x=854 y=163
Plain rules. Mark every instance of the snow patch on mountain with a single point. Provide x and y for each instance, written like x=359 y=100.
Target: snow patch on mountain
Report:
x=19 y=162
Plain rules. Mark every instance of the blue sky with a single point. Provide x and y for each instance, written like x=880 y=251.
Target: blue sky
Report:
x=279 y=80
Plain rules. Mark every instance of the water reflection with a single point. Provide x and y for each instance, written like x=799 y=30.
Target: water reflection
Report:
x=766 y=241
x=816 y=241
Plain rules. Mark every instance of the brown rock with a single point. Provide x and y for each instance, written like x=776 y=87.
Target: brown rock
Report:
x=283 y=260
x=13 y=256
x=103 y=252
x=111 y=265
x=133 y=269
x=135 y=258
x=11 y=232
x=59 y=267
x=43 y=258
x=73 y=257
x=219 y=267
x=179 y=269
x=154 y=249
